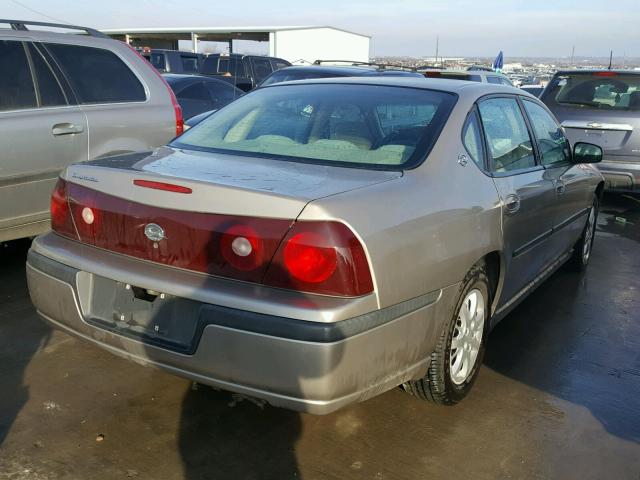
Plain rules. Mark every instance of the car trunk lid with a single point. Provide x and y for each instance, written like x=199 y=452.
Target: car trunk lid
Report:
x=617 y=134
x=186 y=209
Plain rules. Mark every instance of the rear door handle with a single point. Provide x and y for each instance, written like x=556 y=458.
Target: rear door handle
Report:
x=561 y=187
x=66 y=129
x=512 y=203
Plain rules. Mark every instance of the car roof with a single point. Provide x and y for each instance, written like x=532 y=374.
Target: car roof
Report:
x=598 y=70
x=59 y=37
x=346 y=70
x=468 y=72
x=445 y=85
x=180 y=78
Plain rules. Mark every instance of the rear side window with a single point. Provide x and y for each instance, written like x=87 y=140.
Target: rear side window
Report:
x=195 y=92
x=51 y=93
x=261 y=68
x=601 y=90
x=97 y=75
x=509 y=141
x=16 y=83
x=494 y=80
x=472 y=138
x=554 y=146
x=278 y=64
x=221 y=94
x=158 y=61
x=189 y=64
x=236 y=67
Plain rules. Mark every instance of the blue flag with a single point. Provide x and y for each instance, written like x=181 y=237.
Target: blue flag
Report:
x=498 y=62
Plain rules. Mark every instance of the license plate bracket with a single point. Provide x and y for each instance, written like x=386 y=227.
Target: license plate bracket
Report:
x=151 y=317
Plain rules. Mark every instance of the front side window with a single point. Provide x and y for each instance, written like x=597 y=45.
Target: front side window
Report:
x=554 y=146
x=97 y=75
x=472 y=138
x=506 y=132
x=328 y=123
x=16 y=84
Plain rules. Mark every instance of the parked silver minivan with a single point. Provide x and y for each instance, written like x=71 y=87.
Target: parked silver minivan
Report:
x=68 y=98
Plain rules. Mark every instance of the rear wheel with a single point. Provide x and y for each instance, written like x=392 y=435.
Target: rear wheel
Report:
x=582 y=250
x=458 y=355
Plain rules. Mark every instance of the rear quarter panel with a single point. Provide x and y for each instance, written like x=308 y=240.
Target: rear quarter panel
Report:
x=425 y=230
x=117 y=128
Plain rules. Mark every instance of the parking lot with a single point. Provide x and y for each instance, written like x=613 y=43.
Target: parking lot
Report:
x=558 y=397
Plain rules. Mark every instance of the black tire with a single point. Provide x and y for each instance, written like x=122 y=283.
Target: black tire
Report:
x=437 y=385
x=579 y=260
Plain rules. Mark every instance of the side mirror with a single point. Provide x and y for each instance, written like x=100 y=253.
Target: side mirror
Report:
x=586 y=153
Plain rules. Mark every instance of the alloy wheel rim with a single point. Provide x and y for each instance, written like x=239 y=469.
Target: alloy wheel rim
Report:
x=467 y=336
x=588 y=237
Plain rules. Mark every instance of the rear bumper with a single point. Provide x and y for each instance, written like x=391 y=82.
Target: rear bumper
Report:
x=620 y=176
x=311 y=366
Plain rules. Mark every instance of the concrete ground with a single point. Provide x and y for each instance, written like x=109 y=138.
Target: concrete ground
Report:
x=558 y=398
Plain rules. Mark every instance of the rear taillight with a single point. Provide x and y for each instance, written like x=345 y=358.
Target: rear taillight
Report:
x=177 y=109
x=61 y=221
x=321 y=257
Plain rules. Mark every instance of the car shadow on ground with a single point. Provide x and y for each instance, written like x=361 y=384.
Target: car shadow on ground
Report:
x=16 y=347
x=576 y=336
x=248 y=441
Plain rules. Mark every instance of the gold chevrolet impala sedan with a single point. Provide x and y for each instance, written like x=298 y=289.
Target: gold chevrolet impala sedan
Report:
x=317 y=243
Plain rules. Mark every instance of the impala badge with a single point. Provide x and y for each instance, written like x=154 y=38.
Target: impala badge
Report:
x=154 y=232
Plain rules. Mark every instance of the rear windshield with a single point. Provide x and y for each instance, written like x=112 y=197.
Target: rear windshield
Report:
x=354 y=125
x=288 y=75
x=601 y=90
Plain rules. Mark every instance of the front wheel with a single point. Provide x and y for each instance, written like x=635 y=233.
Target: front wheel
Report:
x=458 y=355
x=582 y=250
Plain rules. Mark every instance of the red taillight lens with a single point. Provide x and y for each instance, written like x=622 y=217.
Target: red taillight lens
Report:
x=60 y=214
x=321 y=257
x=177 y=109
x=308 y=259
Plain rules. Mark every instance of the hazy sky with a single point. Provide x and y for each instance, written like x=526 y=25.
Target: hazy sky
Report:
x=404 y=27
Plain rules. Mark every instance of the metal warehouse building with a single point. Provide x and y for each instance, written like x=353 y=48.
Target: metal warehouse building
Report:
x=291 y=43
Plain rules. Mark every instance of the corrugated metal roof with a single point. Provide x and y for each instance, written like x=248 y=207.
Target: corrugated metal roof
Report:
x=220 y=30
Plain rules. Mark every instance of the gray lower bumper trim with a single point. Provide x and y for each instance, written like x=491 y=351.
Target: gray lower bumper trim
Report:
x=271 y=325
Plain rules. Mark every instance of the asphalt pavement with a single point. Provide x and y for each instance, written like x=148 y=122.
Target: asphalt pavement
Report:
x=558 y=397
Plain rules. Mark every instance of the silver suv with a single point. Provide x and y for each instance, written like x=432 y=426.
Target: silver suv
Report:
x=602 y=107
x=68 y=98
